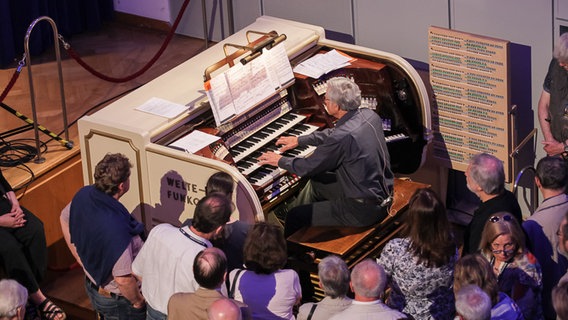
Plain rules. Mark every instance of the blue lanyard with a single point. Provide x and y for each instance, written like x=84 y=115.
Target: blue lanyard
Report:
x=194 y=239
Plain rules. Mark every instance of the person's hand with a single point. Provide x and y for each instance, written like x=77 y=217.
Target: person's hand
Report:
x=139 y=305
x=270 y=158
x=17 y=209
x=287 y=143
x=12 y=220
x=553 y=147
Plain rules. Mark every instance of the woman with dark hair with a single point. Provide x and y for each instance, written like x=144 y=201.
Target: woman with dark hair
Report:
x=421 y=265
x=517 y=270
x=235 y=231
x=270 y=291
x=475 y=269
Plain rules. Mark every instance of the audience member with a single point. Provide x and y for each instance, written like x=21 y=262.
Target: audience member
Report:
x=64 y=222
x=421 y=265
x=563 y=243
x=209 y=269
x=517 y=270
x=553 y=99
x=235 y=231
x=542 y=226
x=13 y=298
x=107 y=239
x=560 y=300
x=474 y=269
x=23 y=251
x=269 y=291
x=486 y=179
x=224 y=309
x=472 y=303
x=334 y=281
x=164 y=263
x=368 y=282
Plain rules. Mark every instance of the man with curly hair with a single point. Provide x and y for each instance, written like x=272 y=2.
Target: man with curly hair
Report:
x=107 y=239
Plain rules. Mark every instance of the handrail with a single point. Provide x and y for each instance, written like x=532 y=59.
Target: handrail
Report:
x=534 y=203
x=39 y=159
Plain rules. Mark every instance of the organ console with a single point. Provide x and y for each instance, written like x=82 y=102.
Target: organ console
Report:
x=166 y=181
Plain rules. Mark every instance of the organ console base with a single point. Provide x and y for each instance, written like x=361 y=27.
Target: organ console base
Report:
x=352 y=244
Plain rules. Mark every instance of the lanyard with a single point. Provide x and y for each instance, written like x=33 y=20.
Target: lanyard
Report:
x=192 y=238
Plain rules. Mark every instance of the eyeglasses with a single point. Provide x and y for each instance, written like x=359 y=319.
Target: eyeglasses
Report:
x=507 y=249
x=497 y=218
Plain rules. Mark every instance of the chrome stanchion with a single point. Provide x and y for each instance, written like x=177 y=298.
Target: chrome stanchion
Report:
x=40 y=159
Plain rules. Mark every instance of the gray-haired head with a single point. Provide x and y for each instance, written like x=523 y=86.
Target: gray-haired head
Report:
x=344 y=92
x=368 y=279
x=12 y=297
x=334 y=276
x=487 y=171
x=472 y=303
x=561 y=48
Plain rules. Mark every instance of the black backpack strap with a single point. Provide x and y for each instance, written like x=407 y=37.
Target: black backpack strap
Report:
x=314 y=306
x=231 y=286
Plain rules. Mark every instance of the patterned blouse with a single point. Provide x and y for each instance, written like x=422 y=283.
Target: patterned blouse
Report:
x=524 y=269
x=423 y=292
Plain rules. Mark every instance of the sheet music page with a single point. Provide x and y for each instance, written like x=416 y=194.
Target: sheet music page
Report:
x=239 y=79
x=277 y=62
x=161 y=107
x=321 y=64
x=220 y=98
x=194 y=141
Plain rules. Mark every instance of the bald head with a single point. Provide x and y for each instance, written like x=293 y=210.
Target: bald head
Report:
x=368 y=280
x=224 y=309
x=209 y=268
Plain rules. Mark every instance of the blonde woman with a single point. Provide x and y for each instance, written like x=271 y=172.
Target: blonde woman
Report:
x=517 y=270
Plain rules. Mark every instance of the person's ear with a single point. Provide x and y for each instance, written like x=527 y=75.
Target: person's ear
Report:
x=537 y=182
x=21 y=312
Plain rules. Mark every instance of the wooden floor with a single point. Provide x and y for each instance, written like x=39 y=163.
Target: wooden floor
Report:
x=117 y=50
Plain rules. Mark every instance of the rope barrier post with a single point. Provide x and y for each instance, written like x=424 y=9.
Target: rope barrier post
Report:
x=39 y=158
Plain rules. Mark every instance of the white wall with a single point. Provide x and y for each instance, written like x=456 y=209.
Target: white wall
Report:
x=153 y=9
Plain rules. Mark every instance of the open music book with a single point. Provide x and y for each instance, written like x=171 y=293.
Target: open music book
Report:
x=243 y=86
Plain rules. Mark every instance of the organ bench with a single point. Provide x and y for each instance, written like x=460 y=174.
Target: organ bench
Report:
x=352 y=244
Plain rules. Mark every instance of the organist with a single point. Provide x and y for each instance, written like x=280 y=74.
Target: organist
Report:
x=351 y=182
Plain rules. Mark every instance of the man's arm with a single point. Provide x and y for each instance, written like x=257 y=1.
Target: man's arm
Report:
x=64 y=222
x=128 y=286
x=550 y=145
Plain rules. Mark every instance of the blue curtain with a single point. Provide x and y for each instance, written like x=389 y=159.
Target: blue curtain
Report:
x=71 y=16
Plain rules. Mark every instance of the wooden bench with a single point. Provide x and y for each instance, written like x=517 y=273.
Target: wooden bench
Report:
x=352 y=244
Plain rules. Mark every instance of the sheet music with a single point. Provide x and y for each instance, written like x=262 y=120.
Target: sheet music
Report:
x=220 y=98
x=161 y=107
x=276 y=61
x=321 y=64
x=243 y=86
x=194 y=141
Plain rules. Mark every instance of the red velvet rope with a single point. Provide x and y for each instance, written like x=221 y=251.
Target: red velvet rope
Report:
x=94 y=72
x=10 y=84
